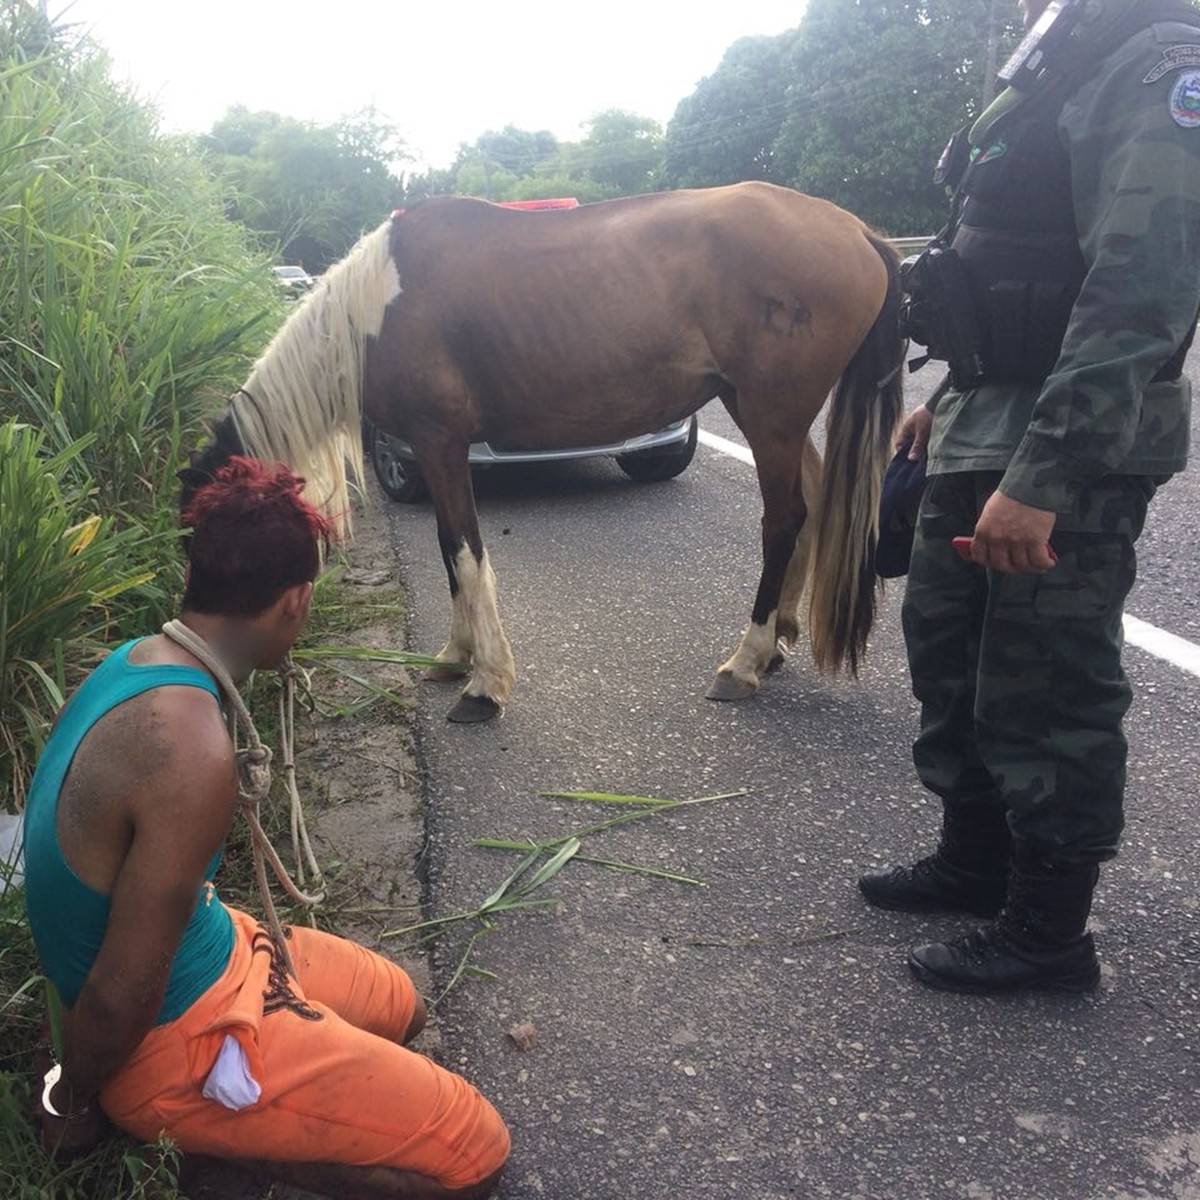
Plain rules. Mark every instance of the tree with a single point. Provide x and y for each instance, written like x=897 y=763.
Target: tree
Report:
x=437 y=181
x=725 y=131
x=621 y=152
x=620 y=155
x=520 y=152
x=479 y=175
x=876 y=88
x=306 y=189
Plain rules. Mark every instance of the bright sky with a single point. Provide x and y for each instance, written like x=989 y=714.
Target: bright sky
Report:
x=442 y=72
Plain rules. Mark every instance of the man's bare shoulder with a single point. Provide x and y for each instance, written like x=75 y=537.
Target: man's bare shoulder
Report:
x=166 y=729
x=159 y=763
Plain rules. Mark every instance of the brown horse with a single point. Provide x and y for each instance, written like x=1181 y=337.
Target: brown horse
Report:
x=460 y=321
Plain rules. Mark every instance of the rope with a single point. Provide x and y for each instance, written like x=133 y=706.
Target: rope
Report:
x=254 y=781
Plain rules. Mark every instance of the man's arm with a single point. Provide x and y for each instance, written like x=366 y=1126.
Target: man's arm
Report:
x=180 y=810
x=1136 y=186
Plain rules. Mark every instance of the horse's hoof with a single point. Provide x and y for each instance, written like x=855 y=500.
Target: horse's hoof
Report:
x=448 y=674
x=777 y=661
x=472 y=710
x=727 y=686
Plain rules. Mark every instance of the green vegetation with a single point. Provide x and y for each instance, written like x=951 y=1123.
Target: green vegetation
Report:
x=61 y=574
x=305 y=191
x=854 y=105
x=130 y=307
x=875 y=92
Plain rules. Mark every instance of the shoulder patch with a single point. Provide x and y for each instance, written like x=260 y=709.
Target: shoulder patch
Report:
x=995 y=150
x=1187 y=55
x=1184 y=104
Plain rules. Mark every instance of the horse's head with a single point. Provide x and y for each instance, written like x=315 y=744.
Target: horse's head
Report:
x=204 y=463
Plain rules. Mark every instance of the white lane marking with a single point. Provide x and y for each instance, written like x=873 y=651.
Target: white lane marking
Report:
x=1171 y=648
x=1179 y=652
x=726 y=447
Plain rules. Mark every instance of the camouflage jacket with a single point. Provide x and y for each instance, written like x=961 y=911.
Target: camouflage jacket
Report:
x=1132 y=138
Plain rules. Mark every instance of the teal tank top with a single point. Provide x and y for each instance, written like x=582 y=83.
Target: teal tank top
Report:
x=68 y=918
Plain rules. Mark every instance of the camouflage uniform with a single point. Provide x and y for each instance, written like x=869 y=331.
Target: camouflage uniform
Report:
x=1019 y=676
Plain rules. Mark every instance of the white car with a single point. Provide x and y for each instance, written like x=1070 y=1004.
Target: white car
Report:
x=650 y=458
x=293 y=280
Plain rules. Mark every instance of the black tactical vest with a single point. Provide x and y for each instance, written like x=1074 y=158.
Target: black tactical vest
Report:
x=1014 y=225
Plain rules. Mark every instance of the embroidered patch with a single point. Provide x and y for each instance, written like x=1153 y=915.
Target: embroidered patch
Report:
x=1184 y=104
x=1172 y=60
x=995 y=150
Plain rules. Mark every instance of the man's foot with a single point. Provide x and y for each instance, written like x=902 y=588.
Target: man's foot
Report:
x=989 y=961
x=935 y=885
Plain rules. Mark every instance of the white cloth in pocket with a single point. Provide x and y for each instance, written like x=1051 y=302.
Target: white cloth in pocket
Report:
x=230 y=1083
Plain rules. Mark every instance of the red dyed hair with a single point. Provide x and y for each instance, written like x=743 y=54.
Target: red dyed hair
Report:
x=253 y=537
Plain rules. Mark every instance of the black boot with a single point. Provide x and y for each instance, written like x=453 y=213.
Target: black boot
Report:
x=967 y=873
x=1039 y=940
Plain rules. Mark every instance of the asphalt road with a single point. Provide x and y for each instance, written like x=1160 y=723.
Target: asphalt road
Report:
x=759 y=1036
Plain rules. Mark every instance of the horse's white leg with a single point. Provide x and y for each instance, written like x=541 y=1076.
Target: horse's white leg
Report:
x=494 y=671
x=788 y=620
x=795 y=584
x=476 y=635
x=457 y=652
x=764 y=646
x=786 y=551
x=738 y=677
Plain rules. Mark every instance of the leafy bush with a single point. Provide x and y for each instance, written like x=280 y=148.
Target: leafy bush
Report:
x=60 y=569
x=130 y=308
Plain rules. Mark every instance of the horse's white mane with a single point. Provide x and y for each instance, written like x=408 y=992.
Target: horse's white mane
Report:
x=302 y=404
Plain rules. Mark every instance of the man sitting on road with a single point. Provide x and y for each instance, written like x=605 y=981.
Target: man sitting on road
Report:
x=181 y=1016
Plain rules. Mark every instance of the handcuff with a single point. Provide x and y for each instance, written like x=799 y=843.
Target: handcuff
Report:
x=51 y=1077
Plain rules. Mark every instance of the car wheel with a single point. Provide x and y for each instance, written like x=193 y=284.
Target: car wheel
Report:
x=653 y=466
x=399 y=477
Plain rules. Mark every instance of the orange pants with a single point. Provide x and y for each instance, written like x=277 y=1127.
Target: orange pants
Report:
x=336 y=1085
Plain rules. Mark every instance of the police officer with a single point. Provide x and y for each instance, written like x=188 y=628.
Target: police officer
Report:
x=1074 y=242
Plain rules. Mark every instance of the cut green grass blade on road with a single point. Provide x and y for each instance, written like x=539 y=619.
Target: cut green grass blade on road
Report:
x=654 y=807
x=647 y=806
x=511 y=894
x=535 y=870
x=612 y=864
x=612 y=798
x=403 y=658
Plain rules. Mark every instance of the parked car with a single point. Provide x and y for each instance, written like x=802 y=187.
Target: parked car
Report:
x=650 y=458
x=293 y=280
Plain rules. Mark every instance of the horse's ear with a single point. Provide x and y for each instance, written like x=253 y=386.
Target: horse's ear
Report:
x=193 y=477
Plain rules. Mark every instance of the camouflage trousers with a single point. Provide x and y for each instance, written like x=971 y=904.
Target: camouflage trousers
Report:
x=1019 y=676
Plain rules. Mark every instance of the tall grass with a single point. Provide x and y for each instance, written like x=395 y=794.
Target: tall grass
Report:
x=59 y=576
x=130 y=307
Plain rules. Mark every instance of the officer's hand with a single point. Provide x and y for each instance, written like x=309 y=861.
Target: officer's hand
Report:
x=915 y=429
x=1013 y=537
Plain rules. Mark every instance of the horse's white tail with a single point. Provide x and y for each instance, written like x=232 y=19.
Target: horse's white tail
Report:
x=866 y=407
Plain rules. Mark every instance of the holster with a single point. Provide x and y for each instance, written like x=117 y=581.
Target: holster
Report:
x=937 y=312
